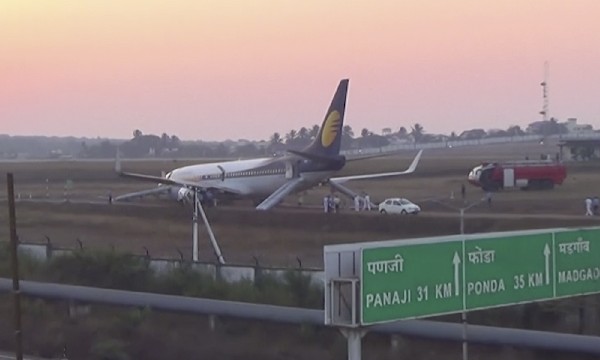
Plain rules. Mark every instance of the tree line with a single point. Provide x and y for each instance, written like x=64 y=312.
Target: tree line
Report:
x=150 y=145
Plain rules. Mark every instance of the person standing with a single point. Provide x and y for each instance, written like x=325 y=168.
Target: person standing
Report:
x=367 y=205
x=356 y=202
x=588 y=206
x=463 y=192
x=595 y=205
x=326 y=204
x=488 y=197
x=336 y=203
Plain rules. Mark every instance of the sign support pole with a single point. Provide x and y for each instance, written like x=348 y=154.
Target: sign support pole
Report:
x=465 y=343
x=463 y=315
x=354 y=338
x=195 y=228
x=12 y=220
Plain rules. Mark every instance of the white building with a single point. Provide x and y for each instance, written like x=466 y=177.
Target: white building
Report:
x=574 y=127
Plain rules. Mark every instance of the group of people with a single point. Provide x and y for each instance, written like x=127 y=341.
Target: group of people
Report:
x=362 y=202
x=592 y=205
x=331 y=203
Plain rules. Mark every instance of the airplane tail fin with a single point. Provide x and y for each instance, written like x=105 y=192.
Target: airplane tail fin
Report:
x=327 y=142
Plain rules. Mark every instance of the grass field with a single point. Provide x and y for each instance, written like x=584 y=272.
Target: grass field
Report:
x=280 y=236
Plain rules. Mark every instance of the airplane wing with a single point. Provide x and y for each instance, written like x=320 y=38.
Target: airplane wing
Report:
x=279 y=194
x=158 y=179
x=140 y=194
x=410 y=169
x=189 y=185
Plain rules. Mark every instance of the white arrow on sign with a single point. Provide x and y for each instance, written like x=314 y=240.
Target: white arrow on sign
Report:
x=456 y=262
x=547 y=258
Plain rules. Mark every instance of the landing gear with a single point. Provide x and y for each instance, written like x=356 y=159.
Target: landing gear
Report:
x=199 y=211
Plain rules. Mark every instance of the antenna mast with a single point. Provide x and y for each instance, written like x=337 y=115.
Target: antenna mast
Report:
x=545 y=109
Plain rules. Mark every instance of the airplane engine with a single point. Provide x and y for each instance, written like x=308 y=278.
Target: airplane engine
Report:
x=182 y=194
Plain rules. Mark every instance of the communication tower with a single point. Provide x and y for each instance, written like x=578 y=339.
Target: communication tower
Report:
x=545 y=109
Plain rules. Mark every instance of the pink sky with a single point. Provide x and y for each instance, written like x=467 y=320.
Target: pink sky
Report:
x=225 y=69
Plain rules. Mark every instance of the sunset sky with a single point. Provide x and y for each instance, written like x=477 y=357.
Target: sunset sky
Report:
x=219 y=69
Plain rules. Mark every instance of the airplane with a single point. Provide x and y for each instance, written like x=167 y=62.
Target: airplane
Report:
x=268 y=180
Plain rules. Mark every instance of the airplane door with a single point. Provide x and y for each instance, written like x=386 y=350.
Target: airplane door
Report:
x=289 y=170
x=222 y=172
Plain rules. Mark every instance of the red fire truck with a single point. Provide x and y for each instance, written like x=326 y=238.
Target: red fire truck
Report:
x=526 y=175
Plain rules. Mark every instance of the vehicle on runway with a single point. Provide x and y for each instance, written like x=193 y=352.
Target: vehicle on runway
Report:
x=526 y=175
x=269 y=180
x=399 y=206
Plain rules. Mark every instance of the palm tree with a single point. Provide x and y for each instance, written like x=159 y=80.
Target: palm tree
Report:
x=164 y=141
x=291 y=136
x=417 y=132
x=347 y=131
x=314 y=131
x=175 y=142
x=275 y=139
x=303 y=133
x=365 y=132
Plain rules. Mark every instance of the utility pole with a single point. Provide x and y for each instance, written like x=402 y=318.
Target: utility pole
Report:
x=12 y=220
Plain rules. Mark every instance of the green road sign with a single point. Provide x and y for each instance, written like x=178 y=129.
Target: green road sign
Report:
x=500 y=271
x=577 y=260
x=434 y=277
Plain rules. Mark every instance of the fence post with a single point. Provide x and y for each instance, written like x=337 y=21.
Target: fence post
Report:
x=48 y=248
x=257 y=270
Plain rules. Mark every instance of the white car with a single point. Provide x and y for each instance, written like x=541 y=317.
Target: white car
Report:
x=398 y=206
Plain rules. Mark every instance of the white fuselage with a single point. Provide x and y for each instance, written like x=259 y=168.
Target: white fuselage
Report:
x=253 y=178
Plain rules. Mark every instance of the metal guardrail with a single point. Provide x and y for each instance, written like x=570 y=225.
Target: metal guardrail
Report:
x=419 y=328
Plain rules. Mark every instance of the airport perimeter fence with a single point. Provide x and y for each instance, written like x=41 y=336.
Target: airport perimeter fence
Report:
x=472 y=142
x=229 y=273
x=443 y=144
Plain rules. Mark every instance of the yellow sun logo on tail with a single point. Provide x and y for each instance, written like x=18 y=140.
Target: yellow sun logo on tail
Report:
x=331 y=128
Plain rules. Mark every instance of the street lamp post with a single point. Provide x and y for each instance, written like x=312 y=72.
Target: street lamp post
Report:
x=463 y=317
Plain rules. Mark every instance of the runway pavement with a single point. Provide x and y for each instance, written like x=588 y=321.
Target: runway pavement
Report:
x=472 y=214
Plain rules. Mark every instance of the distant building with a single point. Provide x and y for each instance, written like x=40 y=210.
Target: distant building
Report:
x=397 y=140
x=472 y=134
x=579 y=149
x=574 y=127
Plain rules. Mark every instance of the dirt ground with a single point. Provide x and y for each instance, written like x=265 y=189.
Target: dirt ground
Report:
x=288 y=233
